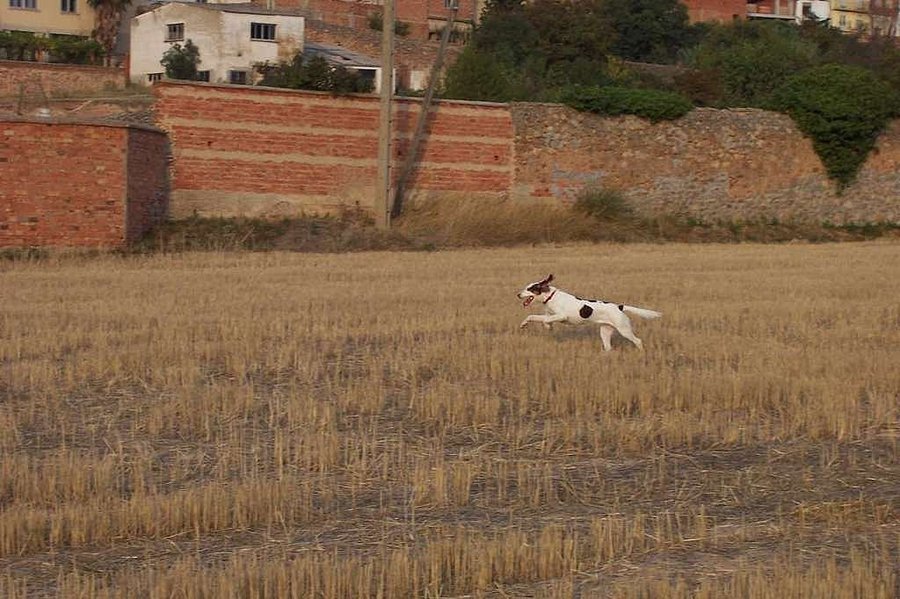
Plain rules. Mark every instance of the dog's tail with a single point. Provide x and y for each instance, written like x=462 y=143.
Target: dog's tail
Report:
x=642 y=312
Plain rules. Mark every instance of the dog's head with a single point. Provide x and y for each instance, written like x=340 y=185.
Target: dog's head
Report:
x=536 y=289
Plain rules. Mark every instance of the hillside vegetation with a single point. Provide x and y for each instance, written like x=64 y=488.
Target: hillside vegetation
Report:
x=841 y=89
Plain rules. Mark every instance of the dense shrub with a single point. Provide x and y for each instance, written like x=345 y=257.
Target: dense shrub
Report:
x=603 y=204
x=314 y=73
x=180 y=62
x=843 y=109
x=651 y=104
x=743 y=63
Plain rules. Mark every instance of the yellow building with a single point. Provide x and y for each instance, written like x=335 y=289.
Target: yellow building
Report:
x=852 y=16
x=54 y=17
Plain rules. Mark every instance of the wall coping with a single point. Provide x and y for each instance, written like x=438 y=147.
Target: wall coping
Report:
x=31 y=64
x=85 y=122
x=308 y=92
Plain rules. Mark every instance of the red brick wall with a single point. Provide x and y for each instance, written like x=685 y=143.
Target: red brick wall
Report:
x=257 y=151
x=356 y=14
x=56 y=78
x=716 y=10
x=64 y=183
x=148 y=181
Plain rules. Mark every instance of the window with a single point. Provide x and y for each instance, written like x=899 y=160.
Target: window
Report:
x=451 y=4
x=237 y=77
x=262 y=31
x=32 y=4
x=67 y=6
x=843 y=20
x=151 y=77
x=203 y=76
x=174 y=32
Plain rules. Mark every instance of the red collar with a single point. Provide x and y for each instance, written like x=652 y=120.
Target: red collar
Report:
x=551 y=296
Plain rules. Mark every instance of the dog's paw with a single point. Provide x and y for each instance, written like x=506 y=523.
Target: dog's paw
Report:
x=524 y=324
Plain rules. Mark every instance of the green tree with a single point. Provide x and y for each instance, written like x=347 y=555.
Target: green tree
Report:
x=109 y=16
x=646 y=30
x=314 y=74
x=843 y=109
x=181 y=62
x=750 y=60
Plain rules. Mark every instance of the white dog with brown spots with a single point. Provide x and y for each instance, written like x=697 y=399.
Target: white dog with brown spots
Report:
x=560 y=306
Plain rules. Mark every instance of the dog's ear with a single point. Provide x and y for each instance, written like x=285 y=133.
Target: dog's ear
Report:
x=549 y=278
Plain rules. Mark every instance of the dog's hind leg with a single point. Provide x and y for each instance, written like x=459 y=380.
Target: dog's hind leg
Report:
x=623 y=326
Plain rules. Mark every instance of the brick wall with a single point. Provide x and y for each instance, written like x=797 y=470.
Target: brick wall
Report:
x=716 y=10
x=711 y=164
x=257 y=151
x=56 y=78
x=416 y=13
x=67 y=183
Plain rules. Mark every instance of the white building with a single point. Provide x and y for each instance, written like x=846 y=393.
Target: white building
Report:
x=231 y=39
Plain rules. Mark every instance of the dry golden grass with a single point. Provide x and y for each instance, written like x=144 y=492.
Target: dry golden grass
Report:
x=375 y=425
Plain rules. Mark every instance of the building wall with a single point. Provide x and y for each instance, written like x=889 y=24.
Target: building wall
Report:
x=47 y=17
x=711 y=164
x=413 y=58
x=53 y=79
x=253 y=151
x=223 y=39
x=723 y=11
x=66 y=183
x=416 y=13
x=148 y=181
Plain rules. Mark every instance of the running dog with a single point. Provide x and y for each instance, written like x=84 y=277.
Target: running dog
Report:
x=560 y=306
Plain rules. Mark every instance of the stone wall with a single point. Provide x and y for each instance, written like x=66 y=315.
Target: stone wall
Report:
x=81 y=184
x=53 y=79
x=711 y=164
x=256 y=151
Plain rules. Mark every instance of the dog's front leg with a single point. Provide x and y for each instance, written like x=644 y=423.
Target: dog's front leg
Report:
x=544 y=318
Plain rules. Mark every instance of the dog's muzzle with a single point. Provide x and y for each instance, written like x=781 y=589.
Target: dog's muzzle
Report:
x=527 y=301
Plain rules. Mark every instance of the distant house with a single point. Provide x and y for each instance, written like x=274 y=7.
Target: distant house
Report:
x=795 y=11
x=722 y=11
x=367 y=67
x=231 y=39
x=52 y=17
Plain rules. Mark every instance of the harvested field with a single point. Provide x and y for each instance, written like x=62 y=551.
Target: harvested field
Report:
x=376 y=425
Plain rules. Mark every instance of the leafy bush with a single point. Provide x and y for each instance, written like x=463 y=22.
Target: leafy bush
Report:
x=315 y=74
x=843 y=109
x=750 y=60
x=181 y=62
x=651 y=104
x=603 y=204
x=75 y=50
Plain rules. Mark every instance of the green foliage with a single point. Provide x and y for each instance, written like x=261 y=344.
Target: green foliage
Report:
x=655 y=105
x=314 y=74
x=376 y=22
x=24 y=45
x=647 y=30
x=843 y=109
x=603 y=204
x=180 y=62
x=75 y=50
x=478 y=76
x=749 y=61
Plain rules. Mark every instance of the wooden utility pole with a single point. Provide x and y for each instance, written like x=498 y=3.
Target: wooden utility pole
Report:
x=419 y=133
x=383 y=179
